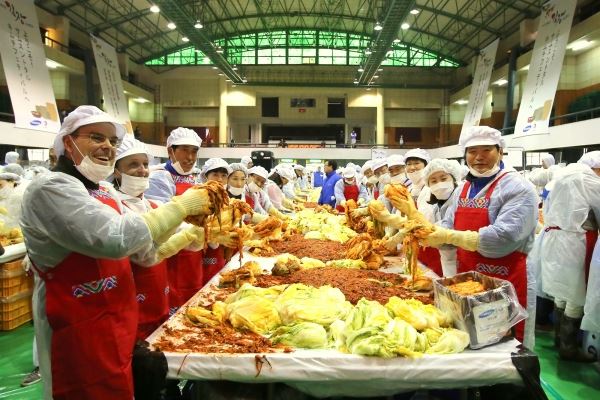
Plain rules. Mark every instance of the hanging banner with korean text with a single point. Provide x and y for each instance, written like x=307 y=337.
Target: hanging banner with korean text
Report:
x=544 y=69
x=481 y=82
x=107 y=65
x=27 y=76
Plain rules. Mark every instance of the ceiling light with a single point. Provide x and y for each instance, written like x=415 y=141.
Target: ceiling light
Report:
x=375 y=76
x=171 y=25
x=461 y=102
x=414 y=11
x=215 y=67
x=397 y=40
x=368 y=51
x=378 y=26
x=198 y=51
x=228 y=80
x=220 y=50
x=185 y=39
x=356 y=81
x=155 y=9
x=235 y=68
x=579 y=45
x=380 y=69
x=141 y=100
x=52 y=64
x=525 y=68
x=368 y=88
x=198 y=25
x=220 y=74
x=405 y=25
x=361 y=69
x=501 y=82
x=245 y=80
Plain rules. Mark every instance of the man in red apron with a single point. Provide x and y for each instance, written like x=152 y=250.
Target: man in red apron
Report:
x=185 y=269
x=349 y=189
x=78 y=242
x=492 y=220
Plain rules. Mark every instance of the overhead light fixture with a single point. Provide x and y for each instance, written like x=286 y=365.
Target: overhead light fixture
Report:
x=525 y=68
x=141 y=100
x=171 y=25
x=380 y=69
x=52 y=64
x=198 y=51
x=356 y=81
x=361 y=69
x=235 y=68
x=219 y=50
x=185 y=39
x=405 y=25
x=375 y=76
x=579 y=45
x=228 y=80
x=414 y=11
x=368 y=88
x=154 y=8
x=215 y=67
x=245 y=80
x=397 y=40
x=501 y=82
x=198 y=25
x=378 y=26
x=461 y=102
x=368 y=51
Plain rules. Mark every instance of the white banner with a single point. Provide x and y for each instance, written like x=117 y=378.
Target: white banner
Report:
x=23 y=59
x=544 y=69
x=481 y=82
x=107 y=65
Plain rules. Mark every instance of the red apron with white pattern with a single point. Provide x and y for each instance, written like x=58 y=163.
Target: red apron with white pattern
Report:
x=184 y=270
x=213 y=261
x=248 y=198
x=471 y=215
x=430 y=257
x=91 y=308
x=350 y=193
x=152 y=295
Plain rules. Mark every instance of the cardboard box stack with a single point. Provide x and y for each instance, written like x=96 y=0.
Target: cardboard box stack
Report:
x=16 y=288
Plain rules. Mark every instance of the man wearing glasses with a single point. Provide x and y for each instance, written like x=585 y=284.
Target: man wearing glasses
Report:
x=78 y=241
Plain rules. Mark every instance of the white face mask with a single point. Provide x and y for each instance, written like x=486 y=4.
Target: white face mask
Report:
x=372 y=180
x=397 y=178
x=92 y=171
x=134 y=185
x=485 y=174
x=177 y=167
x=6 y=191
x=253 y=187
x=385 y=178
x=416 y=176
x=235 y=190
x=442 y=190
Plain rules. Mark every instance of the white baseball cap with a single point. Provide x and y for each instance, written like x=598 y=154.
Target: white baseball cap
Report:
x=378 y=163
x=260 y=171
x=285 y=172
x=367 y=165
x=214 y=163
x=481 y=136
x=183 y=136
x=349 y=173
x=395 y=160
x=81 y=116
x=451 y=167
x=130 y=146
x=418 y=153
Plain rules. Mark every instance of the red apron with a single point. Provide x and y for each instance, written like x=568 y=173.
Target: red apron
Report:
x=375 y=194
x=184 y=270
x=430 y=257
x=213 y=261
x=471 y=215
x=152 y=295
x=91 y=308
x=350 y=193
x=248 y=198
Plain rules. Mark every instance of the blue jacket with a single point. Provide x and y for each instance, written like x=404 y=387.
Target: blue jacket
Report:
x=317 y=179
x=327 y=191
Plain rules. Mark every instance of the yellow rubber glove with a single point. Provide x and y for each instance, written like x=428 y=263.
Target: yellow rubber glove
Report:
x=287 y=203
x=258 y=218
x=393 y=242
x=467 y=240
x=179 y=241
x=406 y=207
x=224 y=238
x=360 y=212
x=171 y=214
x=276 y=213
x=383 y=215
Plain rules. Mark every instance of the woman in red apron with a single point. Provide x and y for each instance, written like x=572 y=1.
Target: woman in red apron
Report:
x=348 y=189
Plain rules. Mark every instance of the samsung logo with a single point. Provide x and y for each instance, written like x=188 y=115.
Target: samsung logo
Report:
x=527 y=127
x=486 y=314
x=35 y=122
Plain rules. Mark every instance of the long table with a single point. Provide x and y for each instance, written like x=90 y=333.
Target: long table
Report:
x=324 y=373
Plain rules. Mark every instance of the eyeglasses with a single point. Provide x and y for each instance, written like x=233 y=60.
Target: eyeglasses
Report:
x=99 y=138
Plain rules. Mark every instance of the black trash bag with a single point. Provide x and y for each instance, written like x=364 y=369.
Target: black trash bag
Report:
x=149 y=372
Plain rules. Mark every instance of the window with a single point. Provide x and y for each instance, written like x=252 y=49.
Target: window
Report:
x=270 y=106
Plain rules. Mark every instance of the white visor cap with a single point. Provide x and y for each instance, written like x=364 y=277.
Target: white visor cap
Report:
x=183 y=136
x=481 y=136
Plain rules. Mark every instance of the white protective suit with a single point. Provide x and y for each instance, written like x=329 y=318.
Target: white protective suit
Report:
x=162 y=186
x=447 y=253
x=95 y=230
x=563 y=250
x=591 y=310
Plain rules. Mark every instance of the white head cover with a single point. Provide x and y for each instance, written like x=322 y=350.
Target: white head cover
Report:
x=451 y=167
x=14 y=169
x=285 y=172
x=481 y=136
x=394 y=160
x=591 y=159
x=214 y=163
x=9 y=176
x=378 y=163
x=366 y=166
x=246 y=160
x=130 y=146
x=11 y=157
x=299 y=167
x=260 y=171
x=81 y=116
x=183 y=136
x=238 y=167
x=418 y=153
x=548 y=159
x=349 y=173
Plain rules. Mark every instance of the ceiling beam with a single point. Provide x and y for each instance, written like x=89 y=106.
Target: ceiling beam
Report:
x=460 y=19
x=113 y=23
x=174 y=11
